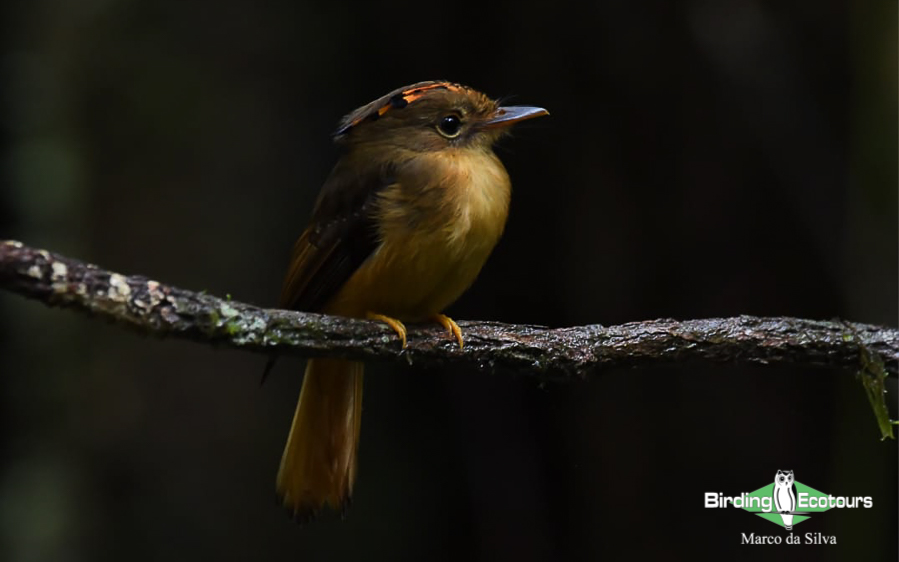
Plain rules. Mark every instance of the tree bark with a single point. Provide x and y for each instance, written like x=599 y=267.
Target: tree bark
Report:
x=162 y=310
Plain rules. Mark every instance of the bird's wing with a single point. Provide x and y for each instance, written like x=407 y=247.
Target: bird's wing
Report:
x=342 y=235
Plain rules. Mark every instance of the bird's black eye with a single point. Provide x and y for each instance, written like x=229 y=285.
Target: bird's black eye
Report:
x=449 y=126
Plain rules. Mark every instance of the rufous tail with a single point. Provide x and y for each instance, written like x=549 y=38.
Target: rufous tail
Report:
x=319 y=463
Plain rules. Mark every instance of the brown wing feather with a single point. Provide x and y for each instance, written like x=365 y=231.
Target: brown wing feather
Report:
x=340 y=238
x=307 y=259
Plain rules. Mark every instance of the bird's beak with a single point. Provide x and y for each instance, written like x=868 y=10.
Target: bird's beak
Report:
x=507 y=116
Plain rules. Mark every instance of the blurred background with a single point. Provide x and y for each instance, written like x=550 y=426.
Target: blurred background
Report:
x=703 y=158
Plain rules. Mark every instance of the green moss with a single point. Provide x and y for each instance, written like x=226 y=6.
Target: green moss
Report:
x=872 y=375
x=214 y=319
x=233 y=328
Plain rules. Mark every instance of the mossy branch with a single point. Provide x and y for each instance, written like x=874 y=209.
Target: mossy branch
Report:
x=550 y=354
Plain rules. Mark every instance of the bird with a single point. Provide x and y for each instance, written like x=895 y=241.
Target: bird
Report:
x=401 y=228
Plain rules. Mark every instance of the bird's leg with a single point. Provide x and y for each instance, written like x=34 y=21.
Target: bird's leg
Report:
x=394 y=324
x=450 y=326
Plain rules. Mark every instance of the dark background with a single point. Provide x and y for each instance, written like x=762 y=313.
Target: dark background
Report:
x=703 y=158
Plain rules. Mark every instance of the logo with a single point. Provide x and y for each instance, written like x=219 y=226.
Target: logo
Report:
x=786 y=503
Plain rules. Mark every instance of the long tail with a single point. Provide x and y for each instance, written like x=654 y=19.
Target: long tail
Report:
x=319 y=462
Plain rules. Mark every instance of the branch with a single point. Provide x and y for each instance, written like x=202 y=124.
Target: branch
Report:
x=559 y=354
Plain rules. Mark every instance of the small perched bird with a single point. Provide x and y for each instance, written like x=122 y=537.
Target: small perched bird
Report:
x=401 y=228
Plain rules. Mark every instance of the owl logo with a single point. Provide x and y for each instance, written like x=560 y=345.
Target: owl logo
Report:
x=785 y=497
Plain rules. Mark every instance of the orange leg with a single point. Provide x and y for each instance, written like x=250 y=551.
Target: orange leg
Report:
x=450 y=326
x=394 y=324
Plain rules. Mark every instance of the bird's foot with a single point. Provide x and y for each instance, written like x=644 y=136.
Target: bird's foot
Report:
x=394 y=324
x=450 y=326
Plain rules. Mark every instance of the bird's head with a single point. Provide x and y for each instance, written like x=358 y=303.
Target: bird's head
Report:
x=431 y=116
